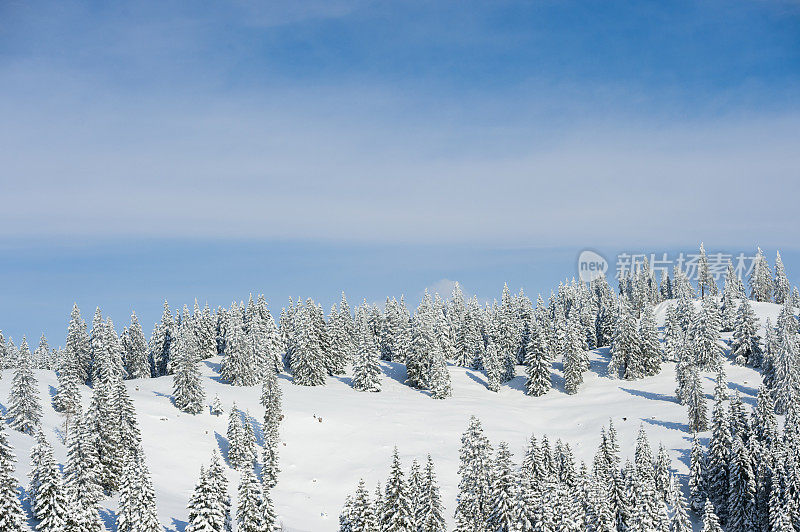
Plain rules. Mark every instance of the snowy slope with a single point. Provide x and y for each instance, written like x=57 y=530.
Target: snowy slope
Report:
x=333 y=435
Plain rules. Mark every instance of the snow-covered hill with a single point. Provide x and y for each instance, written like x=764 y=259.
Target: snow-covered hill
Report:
x=333 y=435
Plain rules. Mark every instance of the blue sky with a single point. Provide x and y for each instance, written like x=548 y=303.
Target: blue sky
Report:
x=210 y=149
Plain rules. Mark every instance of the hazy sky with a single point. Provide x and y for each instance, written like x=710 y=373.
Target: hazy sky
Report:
x=139 y=139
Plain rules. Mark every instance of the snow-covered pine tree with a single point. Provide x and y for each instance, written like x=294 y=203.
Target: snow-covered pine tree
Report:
x=537 y=361
x=238 y=447
x=160 y=340
x=439 y=376
x=679 y=521
x=760 y=279
x=649 y=344
x=414 y=490
x=396 y=515
x=741 y=496
x=493 y=367
x=271 y=400
x=187 y=384
x=781 y=285
x=362 y=516
x=786 y=381
x=474 y=487
x=137 y=364
x=308 y=364
x=625 y=351
x=219 y=483
x=430 y=513
x=366 y=365
x=137 y=505
x=719 y=460
x=25 y=409
x=238 y=367
x=507 y=334
x=705 y=280
x=502 y=515
x=11 y=517
x=423 y=343
x=216 y=406
x=574 y=352
x=746 y=347
x=710 y=519
x=205 y=511
x=705 y=336
x=82 y=478
x=49 y=504
x=696 y=401
x=250 y=509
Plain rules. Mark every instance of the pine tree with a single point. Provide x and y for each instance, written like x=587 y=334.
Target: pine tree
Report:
x=308 y=365
x=239 y=446
x=503 y=494
x=11 y=517
x=746 y=347
x=625 y=351
x=741 y=498
x=366 y=366
x=649 y=345
x=430 y=514
x=49 y=504
x=250 y=511
x=219 y=483
x=361 y=516
x=205 y=511
x=475 y=470
x=574 y=352
x=493 y=366
x=396 y=515
x=423 y=344
x=696 y=401
x=710 y=519
x=137 y=505
x=719 y=460
x=781 y=284
x=786 y=381
x=216 y=406
x=439 y=380
x=679 y=522
x=160 y=342
x=187 y=384
x=705 y=336
x=537 y=361
x=137 y=364
x=760 y=279
x=239 y=365
x=705 y=280
x=82 y=478
x=271 y=400
x=25 y=409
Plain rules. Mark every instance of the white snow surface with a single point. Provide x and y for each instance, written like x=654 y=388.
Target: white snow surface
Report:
x=333 y=435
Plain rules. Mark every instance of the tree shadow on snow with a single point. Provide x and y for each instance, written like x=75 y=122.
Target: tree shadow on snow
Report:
x=650 y=395
x=26 y=507
x=344 y=379
x=600 y=367
x=3 y=410
x=216 y=367
x=744 y=390
x=477 y=377
x=395 y=371
x=177 y=526
x=109 y=518
x=557 y=377
x=224 y=446
x=53 y=391
x=518 y=383
x=672 y=425
x=165 y=395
